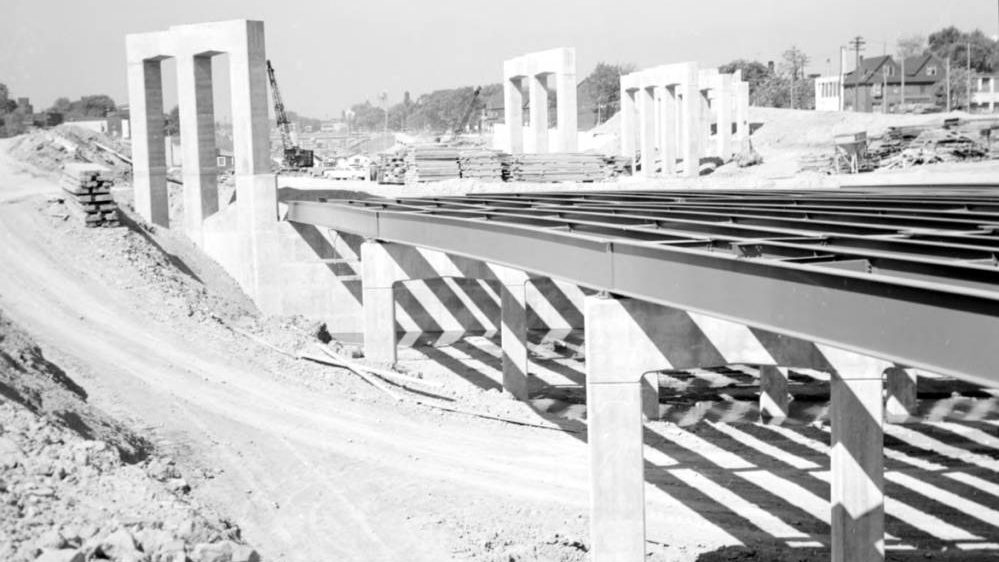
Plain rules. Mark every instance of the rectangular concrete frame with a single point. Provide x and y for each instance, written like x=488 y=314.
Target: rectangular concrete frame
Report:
x=256 y=189
x=626 y=338
x=535 y=67
x=676 y=105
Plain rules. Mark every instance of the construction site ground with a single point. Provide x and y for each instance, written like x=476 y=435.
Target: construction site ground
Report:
x=313 y=463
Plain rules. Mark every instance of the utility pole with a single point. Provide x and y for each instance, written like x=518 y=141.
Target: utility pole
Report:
x=968 y=107
x=947 y=78
x=858 y=44
x=901 y=99
x=842 y=67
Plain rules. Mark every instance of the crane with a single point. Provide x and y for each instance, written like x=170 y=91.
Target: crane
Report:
x=468 y=111
x=294 y=156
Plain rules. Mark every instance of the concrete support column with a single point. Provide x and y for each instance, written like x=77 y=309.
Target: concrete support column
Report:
x=256 y=185
x=565 y=97
x=513 y=114
x=691 y=136
x=614 y=413
x=650 y=396
x=667 y=123
x=513 y=337
x=857 y=460
x=379 y=273
x=775 y=400
x=197 y=138
x=724 y=100
x=647 y=130
x=741 y=112
x=901 y=403
x=145 y=94
x=628 y=124
x=539 y=111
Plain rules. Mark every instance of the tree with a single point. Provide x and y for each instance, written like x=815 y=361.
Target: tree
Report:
x=61 y=105
x=605 y=85
x=794 y=62
x=954 y=44
x=959 y=93
x=753 y=72
x=171 y=122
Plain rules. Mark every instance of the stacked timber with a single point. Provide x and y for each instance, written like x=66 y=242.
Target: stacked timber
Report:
x=392 y=168
x=481 y=164
x=89 y=194
x=556 y=167
x=616 y=166
x=431 y=162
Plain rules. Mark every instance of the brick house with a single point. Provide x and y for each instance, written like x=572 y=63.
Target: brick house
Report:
x=878 y=81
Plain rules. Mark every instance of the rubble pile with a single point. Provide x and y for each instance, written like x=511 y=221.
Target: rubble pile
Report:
x=49 y=150
x=430 y=162
x=88 y=190
x=392 y=168
x=935 y=145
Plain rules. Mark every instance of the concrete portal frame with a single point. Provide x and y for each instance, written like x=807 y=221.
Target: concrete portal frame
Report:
x=193 y=46
x=535 y=68
x=659 y=105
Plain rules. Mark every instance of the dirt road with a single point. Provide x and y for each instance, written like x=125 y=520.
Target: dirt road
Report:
x=313 y=464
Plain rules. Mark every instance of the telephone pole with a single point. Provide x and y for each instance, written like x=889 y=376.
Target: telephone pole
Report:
x=968 y=107
x=858 y=45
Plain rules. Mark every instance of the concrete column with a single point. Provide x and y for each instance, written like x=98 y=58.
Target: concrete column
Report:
x=379 y=273
x=647 y=131
x=197 y=138
x=650 y=396
x=741 y=112
x=774 y=396
x=565 y=92
x=857 y=461
x=539 y=111
x=628 y=124
x=901 y=403
x=513 y=337
x=614 y=413
x=145 y=97
x=513 y=114
x=667 y=138
x=691 y=136
x=724 y=99
x=256 y=185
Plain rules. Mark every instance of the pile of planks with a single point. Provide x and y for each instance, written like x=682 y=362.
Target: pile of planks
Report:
x=392 y=168
x=616 y=166
x=430 y=162
x=556 y=167
x=936 y=145
x=481 y=164
x=89 y=190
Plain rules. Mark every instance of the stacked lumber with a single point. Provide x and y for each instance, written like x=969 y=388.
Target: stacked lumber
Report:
x=936 y=145
x=481 y=164
x=89 y=193
x=822 y=163
x=431 y=162
x=616 y=166
x=392 y=168
x=556 y=167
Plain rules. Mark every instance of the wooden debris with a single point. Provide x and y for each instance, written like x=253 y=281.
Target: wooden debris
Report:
x=88 y=189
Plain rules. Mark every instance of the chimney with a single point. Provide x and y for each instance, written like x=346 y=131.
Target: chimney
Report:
x=770 y=66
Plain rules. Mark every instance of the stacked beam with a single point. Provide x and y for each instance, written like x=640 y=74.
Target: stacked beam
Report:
x=89 y=194
x=392 y=168
x=485 y=165
x=425 y=163
x=556 y=167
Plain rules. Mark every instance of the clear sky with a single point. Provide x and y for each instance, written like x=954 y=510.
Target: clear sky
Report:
x=330 y=53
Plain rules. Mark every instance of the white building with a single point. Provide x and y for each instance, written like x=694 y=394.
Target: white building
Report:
x=829 y=93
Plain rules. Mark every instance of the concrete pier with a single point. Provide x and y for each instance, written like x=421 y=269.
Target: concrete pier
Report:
x=535 y=68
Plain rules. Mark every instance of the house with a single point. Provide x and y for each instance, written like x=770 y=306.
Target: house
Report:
x=876 y=85
x=225 y=160
x=985 y=94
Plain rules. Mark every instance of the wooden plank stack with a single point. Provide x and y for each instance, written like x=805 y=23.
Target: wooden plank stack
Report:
x=481 y=164
x=430 y=162
x=88 y=187
x=556 y=167
x=392 y=168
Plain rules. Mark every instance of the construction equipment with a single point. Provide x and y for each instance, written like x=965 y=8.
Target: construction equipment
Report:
x=460 y=126
x=295 y=157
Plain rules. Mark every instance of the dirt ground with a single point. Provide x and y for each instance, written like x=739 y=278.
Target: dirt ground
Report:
x=313 y=463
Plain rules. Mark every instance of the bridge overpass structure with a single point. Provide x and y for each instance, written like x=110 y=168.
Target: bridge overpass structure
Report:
x=871 y=285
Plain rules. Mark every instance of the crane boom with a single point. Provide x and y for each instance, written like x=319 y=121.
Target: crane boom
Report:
x=468 y=111
x=294 y=157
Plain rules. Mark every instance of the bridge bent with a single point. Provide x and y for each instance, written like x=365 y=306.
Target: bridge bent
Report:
x=865 y=283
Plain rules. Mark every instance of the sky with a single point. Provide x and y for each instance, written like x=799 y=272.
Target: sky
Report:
x=329 y=54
